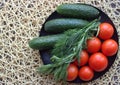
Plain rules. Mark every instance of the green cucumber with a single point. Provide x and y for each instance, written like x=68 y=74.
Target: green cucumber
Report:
x=45 y=42
x=78 y=10
x=61 y=25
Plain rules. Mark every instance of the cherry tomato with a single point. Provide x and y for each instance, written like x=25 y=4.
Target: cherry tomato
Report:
x=86 y=73
x=72 y=72
x=106 y=31
x=93 y=45
x=109 y=47
x=83 y=58
x=98 y=62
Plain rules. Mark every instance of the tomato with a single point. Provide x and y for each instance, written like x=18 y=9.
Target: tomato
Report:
x=109 y=47
x=83 y=58
x=106 y=31
x=72 y=72
x=98 y=62
x=93 y=45
x=86 y=73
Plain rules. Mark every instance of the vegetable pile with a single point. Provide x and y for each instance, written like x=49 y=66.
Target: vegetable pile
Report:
x=80 y=47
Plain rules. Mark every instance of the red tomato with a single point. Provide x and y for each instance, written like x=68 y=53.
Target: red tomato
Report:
x=83 y=58
x=106 y=31
x=109 y=47
x=98 y=62
x=72 y=72
x=86 y=73
x=93 y=45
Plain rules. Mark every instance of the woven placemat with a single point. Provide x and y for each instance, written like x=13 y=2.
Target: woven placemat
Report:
x=20 y=21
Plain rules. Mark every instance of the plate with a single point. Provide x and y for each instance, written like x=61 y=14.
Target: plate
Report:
x=45 y=55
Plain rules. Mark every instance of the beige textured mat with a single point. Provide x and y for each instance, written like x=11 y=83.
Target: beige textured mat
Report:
x=20 y=21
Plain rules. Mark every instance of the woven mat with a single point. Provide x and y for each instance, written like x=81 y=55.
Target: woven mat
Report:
x=20 y=21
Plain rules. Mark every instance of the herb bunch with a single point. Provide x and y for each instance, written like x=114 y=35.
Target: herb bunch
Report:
x=68 y=49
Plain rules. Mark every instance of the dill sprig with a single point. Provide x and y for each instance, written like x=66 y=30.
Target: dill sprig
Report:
x=68 y=49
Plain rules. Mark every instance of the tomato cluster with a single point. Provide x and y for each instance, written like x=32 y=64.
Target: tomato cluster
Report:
x=94 y=58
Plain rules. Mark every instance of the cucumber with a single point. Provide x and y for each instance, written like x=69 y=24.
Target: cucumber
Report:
x=78 y=10
x=63 y=24
x=45 y=42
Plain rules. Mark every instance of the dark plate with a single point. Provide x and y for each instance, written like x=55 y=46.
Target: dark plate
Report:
x=104 y=18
